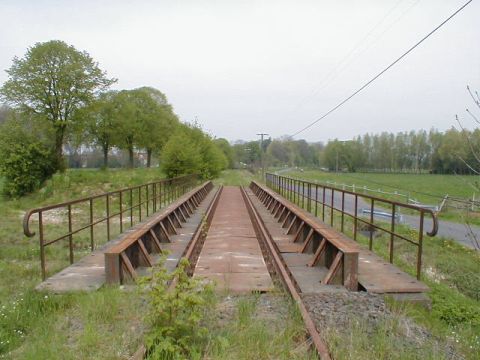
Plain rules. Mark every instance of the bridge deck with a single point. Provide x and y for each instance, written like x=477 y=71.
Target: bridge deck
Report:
x=231 y=254
x=88 y=274
x=374 y=273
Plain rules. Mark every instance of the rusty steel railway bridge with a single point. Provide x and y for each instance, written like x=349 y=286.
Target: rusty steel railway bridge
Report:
x=287 y=232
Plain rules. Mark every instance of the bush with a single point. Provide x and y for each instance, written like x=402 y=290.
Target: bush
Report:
x=453 y=308
x=175 y=315
x=25 y=161
x=189 y=151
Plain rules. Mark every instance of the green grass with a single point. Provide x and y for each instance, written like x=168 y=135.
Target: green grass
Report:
x=453 y=274
x=425 y=188
x=236 y=178
x=102 y=325
x=393 y=337
x=106 y=324
x=253 y=333
x=61 y=326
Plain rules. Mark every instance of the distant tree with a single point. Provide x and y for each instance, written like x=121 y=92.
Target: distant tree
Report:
x=158 y=124
x=278 y=152
x=227 y=150
x=179 y=157
x=131 y=111
x=54 y=80
x=99 y=122
x=190 y=150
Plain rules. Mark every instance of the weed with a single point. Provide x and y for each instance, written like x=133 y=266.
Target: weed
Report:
x=175 y=313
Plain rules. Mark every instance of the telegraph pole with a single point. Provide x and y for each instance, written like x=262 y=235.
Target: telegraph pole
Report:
x=261 y=153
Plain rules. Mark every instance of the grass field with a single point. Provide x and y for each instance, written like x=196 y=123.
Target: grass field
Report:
x=425 y=188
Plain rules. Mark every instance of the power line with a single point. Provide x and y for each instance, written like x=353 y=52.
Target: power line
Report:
x=344 y=63
x=383 y=71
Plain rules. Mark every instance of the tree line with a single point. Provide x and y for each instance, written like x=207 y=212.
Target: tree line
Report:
x=449 y=152
x=57 y=97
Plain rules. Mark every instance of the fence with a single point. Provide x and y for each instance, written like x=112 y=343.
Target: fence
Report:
x=317 y=198
x=130 y=201
x=445 y=201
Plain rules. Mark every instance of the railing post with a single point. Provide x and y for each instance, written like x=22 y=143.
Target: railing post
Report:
x=108 y=218
x=332 y=205
x=323 y=204
x=160 y=194
x=42 y=248
x=303 y=194
x=140 y=203
x=355 y=218
x=147 y=199
x=70 y=237
x=392 y=230
x=420 y=246
x=92 y=241
x=154 y=190
x=309 y=203
x=370 y=241
x=131 y=207
x=316 y=200
x=343 y=210
x=121 y=211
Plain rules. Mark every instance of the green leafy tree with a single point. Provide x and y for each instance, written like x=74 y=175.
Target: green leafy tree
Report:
x=227 y=150
x=189 y=151
x=158 y=124
x=54 y=80
x=26 y=159
x=99 y=121
x=179 y=156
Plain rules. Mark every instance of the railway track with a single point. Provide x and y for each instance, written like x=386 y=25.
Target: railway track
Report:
x=237 y=251
x=246 y=240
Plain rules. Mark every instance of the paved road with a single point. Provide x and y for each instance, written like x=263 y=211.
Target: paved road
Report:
x=456 y=231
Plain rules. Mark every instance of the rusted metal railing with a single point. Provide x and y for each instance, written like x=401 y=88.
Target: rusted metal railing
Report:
x=323 y=200
x=126 y=204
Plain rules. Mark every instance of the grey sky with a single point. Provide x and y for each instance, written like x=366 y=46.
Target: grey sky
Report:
x=244 y=67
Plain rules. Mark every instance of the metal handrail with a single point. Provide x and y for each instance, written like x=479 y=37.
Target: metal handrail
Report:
x=301 y=191
x=154 y=195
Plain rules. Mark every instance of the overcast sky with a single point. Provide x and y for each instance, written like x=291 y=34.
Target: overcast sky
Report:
x=243 y=67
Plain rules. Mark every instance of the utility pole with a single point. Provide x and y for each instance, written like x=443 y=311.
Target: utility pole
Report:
x=261 y=153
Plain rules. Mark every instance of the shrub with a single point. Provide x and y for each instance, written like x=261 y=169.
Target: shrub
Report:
x=189 y=151
x=175 y=315
x=25 y=161
x=453 y=308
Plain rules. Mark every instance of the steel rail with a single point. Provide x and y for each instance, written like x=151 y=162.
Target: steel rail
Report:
x=283 y=273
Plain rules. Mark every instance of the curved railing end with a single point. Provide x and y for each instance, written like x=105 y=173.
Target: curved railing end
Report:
x=26 y=223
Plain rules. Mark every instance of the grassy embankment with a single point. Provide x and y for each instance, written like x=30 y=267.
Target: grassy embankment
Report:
x=450 y=270
x=425 y=188
x=43 y=326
